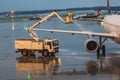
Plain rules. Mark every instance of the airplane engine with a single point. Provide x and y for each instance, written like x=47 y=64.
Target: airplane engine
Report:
x=91 y=45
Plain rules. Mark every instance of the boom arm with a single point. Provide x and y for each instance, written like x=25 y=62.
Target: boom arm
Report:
x=35 y=36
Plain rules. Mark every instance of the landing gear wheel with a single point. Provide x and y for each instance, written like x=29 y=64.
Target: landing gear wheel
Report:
x=103 y=54
x=24 y=53
x=45 y=53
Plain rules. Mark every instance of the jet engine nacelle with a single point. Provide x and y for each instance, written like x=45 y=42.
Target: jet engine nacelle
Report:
x=91 y=45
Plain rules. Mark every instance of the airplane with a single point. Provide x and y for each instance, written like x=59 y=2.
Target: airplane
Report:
x=111 y=25
x=88 y=16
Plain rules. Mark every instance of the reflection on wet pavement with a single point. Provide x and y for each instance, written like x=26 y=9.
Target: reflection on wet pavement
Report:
x=49 y=68
x=113 y=65
x=32 y=67
x=92 y=67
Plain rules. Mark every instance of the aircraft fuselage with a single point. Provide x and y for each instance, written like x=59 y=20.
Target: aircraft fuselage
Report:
x=112 y=25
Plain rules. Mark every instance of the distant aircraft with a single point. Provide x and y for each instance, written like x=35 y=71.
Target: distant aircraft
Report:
x=111 y=25
x=84 y=16
x=10 y=14
x=35 y=18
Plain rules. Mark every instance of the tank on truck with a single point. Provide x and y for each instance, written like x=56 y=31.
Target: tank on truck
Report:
x=35 y=36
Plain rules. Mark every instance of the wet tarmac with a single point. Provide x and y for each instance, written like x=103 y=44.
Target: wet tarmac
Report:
x=69 y=64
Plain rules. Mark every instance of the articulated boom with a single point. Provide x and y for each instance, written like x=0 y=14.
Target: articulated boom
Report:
x=35 y=36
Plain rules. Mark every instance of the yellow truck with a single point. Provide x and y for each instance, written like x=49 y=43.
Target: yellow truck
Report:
x=31 y=46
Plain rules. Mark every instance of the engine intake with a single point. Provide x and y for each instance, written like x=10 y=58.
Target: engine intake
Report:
x=91 y=45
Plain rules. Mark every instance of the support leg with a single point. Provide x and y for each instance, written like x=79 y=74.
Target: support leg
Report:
x=101 y=51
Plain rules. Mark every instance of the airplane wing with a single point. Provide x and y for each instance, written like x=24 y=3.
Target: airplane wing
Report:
x=108 y=35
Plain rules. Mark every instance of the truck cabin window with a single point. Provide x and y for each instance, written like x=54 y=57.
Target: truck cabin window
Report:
x=55 y=43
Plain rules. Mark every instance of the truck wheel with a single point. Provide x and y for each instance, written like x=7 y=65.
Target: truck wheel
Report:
x=53 y=54
x=45 y=53
x=24 y=53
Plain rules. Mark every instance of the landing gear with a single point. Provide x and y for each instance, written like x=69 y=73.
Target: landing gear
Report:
x=101 y=52
x=101 y=48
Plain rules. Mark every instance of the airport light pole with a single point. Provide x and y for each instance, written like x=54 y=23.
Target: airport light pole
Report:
x=12 y=17
x=108 y=6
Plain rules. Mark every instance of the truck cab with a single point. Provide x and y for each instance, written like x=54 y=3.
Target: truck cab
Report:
x=51 y=46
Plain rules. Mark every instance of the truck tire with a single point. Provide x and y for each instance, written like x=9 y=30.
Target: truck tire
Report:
x=52 y=54
x=24 y=52
x=45 y=53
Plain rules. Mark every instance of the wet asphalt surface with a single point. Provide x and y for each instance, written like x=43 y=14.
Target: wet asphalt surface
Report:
x=68 y=64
